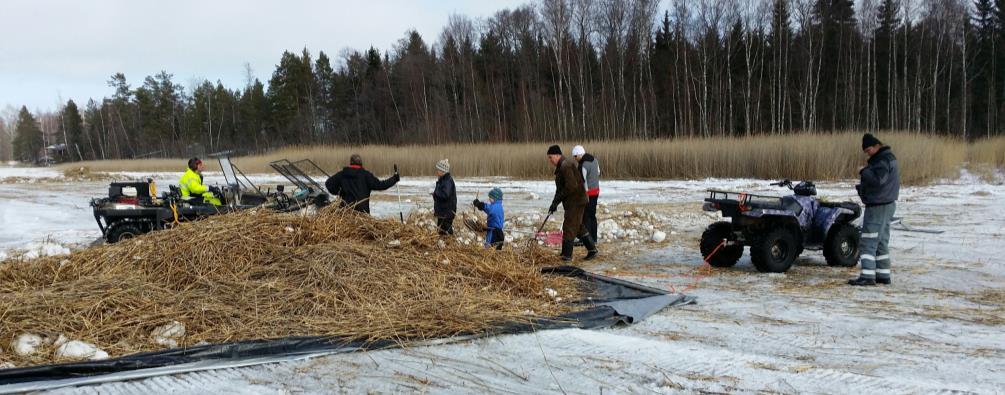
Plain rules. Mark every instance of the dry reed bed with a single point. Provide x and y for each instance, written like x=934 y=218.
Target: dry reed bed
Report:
x=257 y=275
x=988 y=151
x=816 y=156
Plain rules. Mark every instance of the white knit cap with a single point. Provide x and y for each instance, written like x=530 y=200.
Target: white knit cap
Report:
x=443 y=165
x=578 y=150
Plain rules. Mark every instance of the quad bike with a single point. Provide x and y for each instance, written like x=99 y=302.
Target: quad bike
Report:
x=778 y=229
x=133 y=208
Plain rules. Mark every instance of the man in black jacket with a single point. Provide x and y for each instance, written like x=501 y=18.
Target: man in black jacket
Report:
x=879 y=190
x=444 y=199
x=354 y=184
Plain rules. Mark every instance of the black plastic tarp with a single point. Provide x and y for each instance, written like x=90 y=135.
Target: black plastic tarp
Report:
x=608 y=302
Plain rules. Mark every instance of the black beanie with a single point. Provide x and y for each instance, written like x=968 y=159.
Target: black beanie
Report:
x=869 y=140
x=554 y=150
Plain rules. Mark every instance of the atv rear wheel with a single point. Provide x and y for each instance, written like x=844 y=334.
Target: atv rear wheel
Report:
x=122 y=231
x=711 y=237
x=841 y=246
x=775 y=251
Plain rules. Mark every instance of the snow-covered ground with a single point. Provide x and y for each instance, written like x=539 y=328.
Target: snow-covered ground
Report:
x=940 y=327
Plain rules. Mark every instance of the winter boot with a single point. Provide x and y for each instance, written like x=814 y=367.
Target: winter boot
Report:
x=591 y=248
x=862 y=281
x=884 y=281
x=566 y=250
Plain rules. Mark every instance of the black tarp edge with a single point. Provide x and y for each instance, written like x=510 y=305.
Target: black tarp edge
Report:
x=243 y=353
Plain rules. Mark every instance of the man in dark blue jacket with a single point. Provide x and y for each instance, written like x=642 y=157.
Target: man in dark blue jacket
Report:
x=444 y=199
x=354 y=184
x=879 y=189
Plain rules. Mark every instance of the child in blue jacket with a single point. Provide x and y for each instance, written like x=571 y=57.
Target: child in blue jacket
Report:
x=496 y=218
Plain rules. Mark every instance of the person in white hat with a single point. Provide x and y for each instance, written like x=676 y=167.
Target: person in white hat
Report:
x=590 y=167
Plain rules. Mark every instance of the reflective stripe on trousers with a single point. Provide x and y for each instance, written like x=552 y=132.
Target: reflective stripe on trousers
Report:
x=874 y=244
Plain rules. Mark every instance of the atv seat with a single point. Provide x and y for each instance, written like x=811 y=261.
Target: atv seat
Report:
x=854 y=207
x=786 y=203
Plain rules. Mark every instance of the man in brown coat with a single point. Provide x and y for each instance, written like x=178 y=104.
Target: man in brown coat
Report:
x=571 y=193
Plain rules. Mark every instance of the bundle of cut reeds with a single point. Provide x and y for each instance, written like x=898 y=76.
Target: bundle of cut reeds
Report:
x=259 y=275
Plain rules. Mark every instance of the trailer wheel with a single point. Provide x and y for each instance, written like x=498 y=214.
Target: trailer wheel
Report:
x=711 y=237
x=122 y=231
x=841 y=246
x=774 y=252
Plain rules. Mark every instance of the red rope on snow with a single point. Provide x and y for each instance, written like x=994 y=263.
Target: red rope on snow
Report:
x=700 y=273
x=695 y=277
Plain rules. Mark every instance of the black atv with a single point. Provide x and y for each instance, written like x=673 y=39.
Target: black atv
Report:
x=133 y=208
x=777 y=229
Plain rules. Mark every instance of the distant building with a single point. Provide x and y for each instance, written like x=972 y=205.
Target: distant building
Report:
x=53 y=154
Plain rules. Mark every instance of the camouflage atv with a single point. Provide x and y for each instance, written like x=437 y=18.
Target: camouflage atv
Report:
x=778 y=229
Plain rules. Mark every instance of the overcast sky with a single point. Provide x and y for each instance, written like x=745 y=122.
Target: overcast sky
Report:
x=61 y=48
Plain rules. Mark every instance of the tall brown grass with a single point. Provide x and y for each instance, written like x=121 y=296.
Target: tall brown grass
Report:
x=820 y=156
x=988 y=151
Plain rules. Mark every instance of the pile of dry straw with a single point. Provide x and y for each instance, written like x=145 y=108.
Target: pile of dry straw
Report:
x=258 y=274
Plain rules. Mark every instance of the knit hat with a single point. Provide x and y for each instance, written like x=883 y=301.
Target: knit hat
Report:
x=554 y=150
x=443 y=165
x=869 y=140
x=496 y=194
x=355 y=159
x=578 y=150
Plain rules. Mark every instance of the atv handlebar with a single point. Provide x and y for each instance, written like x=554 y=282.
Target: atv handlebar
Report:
x=783 y=183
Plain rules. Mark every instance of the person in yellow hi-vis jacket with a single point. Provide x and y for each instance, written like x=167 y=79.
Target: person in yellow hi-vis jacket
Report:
x=192 y=189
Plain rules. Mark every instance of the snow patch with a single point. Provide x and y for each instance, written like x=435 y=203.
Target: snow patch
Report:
x=168 y=334
x=76 y=349
x=609 y=229
x=34 y=250
x=29 y=172
x=26 y=344
x=60 y=340
x=659 y=236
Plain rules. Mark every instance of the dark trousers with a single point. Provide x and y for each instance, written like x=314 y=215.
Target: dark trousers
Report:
x=445 y=226
x=875 y=244
x=497 y=238
x=572 y=225
x=590 y=217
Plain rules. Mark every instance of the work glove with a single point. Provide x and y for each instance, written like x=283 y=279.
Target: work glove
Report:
x=215 y=190
x=553 y=208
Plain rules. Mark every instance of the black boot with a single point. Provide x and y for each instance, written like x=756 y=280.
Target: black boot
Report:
x=566 y=250
x=591 y=248
x=862 y=281
x=884 y=281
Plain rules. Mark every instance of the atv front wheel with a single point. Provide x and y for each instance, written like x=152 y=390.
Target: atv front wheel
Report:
x=841 y=246
x=775 y=251
x=122 y=231
x=711 y=237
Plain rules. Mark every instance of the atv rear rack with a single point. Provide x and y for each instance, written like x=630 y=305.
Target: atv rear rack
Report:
x=733 y=203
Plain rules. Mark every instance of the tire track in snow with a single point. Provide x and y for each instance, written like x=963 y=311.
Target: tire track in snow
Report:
x=722 y=363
